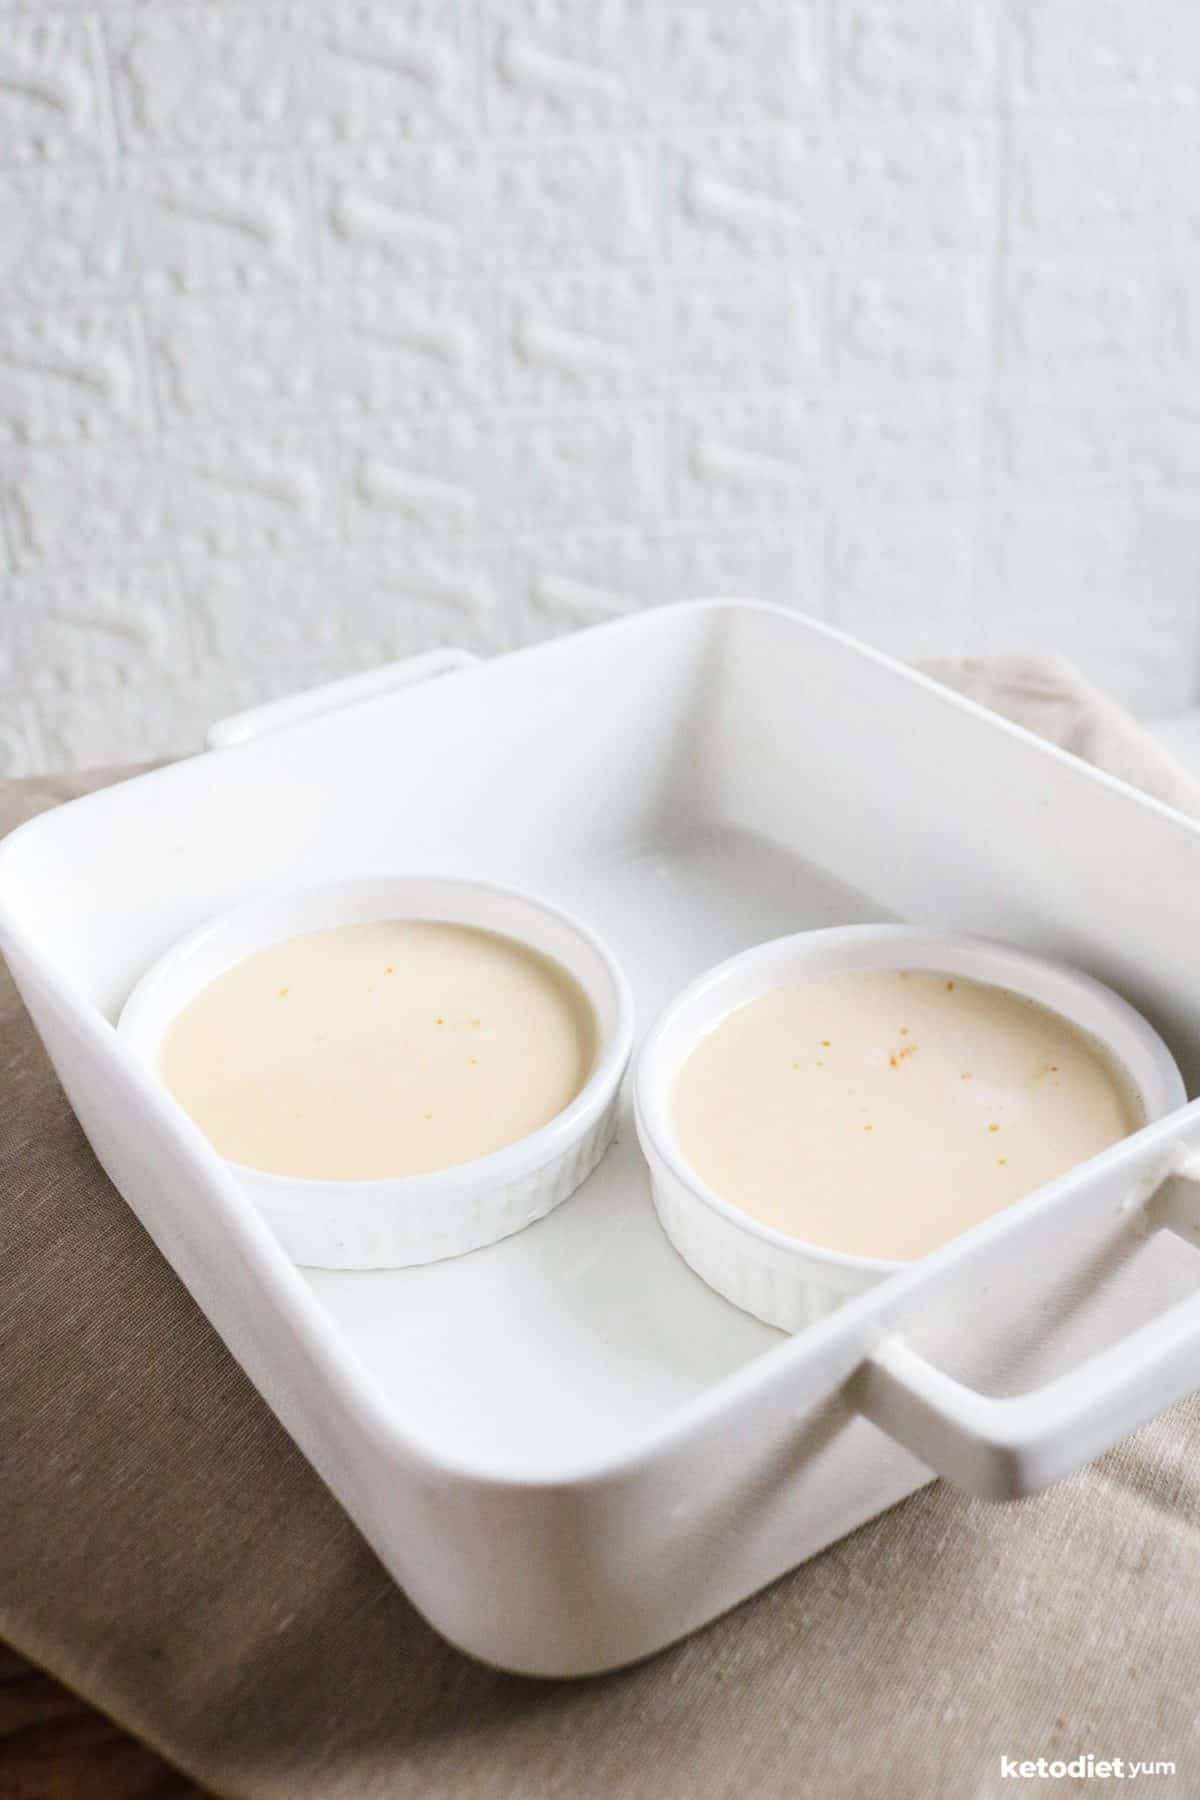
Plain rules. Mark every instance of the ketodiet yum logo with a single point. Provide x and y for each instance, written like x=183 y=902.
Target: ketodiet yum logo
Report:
x=1081 y=1768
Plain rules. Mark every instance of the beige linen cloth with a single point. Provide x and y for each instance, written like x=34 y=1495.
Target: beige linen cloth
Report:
x=166 y=1551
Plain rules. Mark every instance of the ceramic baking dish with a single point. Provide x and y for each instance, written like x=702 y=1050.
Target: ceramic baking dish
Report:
x=566 y=1448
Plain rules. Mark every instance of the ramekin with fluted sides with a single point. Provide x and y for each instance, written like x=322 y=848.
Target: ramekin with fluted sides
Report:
x=781 y=1279
x=397 y=1222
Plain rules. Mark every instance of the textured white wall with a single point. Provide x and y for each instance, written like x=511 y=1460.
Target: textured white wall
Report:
x=332 y=331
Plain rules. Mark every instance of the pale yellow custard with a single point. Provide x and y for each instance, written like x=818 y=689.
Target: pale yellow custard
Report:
x=882 y=1113
x=366 y=1051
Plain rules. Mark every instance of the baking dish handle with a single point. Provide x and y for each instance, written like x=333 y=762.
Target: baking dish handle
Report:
x=1001 y=1448
x=276 y=715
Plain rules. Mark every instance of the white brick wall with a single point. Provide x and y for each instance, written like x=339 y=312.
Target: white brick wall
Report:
x=333 y=330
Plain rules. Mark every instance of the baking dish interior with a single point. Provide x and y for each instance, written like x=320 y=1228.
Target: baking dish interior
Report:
x=689 y=782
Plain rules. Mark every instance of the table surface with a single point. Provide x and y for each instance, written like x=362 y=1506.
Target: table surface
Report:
x=54 y=1746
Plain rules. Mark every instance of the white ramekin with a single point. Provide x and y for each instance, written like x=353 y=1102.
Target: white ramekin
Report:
x=784 y=1280
x=393 y=1223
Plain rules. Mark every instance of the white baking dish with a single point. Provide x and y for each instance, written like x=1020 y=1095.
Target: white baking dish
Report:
x=420 y=1218
x=566 y=1448
x=778 y=1278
